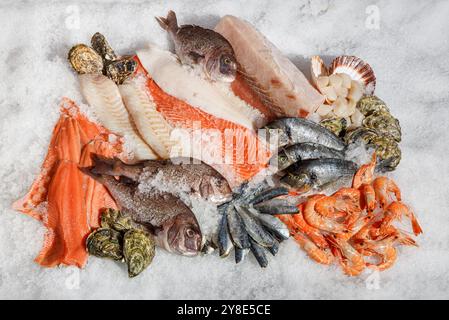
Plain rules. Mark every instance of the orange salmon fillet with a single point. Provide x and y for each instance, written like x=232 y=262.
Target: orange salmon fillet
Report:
x=249 y=154
x=65 y=200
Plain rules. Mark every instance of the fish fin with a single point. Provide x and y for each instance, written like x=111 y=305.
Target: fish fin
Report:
x=170 y=23
x=89 y=171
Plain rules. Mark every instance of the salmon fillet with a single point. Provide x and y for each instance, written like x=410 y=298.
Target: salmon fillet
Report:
x=62 y=197
x=277 y=81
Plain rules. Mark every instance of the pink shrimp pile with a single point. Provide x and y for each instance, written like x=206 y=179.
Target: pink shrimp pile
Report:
x=354 y=226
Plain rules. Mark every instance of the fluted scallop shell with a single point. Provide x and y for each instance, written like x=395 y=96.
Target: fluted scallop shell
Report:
x=357 y=69
x=116 y=220
x=384 y=124
x=105 y=243
x=336 y=125
x=138 y=250
x=317 y=68
x=85 y=60
x=387 y=151
x=369 y=104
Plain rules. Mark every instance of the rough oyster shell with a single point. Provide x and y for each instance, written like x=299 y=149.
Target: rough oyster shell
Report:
x=105 y=243
x=138 y=250
x=85 y=60
x=336 y=125
x=119 y=70
x=384 y=124
x=116 y=220
x=388 y=152
x=369 y=104
x=101 y=45
x=357 y=69
x=361 y=133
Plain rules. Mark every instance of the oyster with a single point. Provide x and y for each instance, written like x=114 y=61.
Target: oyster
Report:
x=105 y=243
x=384 y=124
x=364 y=134
x=388 y=152
x=369 y=104
x=336 y=125
x=119 y=70
x=138 y=251
x=85 y=60
x=115 y=219
x=101 y=45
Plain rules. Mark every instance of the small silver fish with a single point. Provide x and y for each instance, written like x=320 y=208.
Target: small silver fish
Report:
x=289 y=131
x=318 y=173
x=254 y=227
x=197 y=45
x=304 y=151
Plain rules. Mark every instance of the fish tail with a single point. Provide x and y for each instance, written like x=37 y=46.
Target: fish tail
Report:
x=89 y=171
x=102 y=165
x=170 y=23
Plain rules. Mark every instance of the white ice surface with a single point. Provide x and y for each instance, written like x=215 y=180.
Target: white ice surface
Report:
x=409 y=53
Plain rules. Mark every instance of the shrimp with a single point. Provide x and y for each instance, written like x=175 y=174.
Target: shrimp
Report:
x=326 y=207
x=365 y=174
x=316 y=220
x=350 y=259
x=313 y=251
x=348 y=200
x=368 y=197
x=313 y=233
x=383 y=187
x=384 y=250
x=395 y=211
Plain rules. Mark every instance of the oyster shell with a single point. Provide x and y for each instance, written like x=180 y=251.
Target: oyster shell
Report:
x=336 y=125
x=101 y=45
x=84 y=59
x=365 y=134
x=388 y=152
x=357 y=69
x=369 y=104
x=384 y=124
x=119 y=70
x=138 y=251
x=116 y=220
x=105 y=243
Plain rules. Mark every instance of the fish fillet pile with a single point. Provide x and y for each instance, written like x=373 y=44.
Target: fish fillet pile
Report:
x=62 y=197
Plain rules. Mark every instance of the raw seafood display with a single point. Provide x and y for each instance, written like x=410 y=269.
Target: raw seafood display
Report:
x=228 y=121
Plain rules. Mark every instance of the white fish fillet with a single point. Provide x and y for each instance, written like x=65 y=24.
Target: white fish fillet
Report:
x=154 y=129
x=277 y=80
x=215 y=98
x=103 y=95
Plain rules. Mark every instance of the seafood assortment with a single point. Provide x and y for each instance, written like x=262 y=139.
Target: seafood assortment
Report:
x=120 y=181
x=120 y=239
x=354 y=226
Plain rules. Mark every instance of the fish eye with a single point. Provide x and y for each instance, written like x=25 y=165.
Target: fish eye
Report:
x=227 y=61
x=190 y=233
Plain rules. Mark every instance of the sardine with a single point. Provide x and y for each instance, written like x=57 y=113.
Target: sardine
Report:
x=291 y=131
x=199 y=46
x=240 y=254
x=276 y=206
x=317 y=173
x=254 y=228
x=239 y=235
x=224 y=238
x=186 y=174
x=275 y=225
x=173 y=224
x=269 y=193
x=274 y=249
x=304 y=151
x=259 y=253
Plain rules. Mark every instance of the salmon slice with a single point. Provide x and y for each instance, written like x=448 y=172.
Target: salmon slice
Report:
x=62 y=197
x=243 y=154
x=277 y=81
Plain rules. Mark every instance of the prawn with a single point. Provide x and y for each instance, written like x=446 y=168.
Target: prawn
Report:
x=395 y=211
x=383 y=188
x=316 y=220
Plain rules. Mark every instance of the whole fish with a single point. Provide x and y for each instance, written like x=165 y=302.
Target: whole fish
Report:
x=289 y=131
x=199 y=46
x=173 y=224
x=304 y=151
x=318 y=173
x=183 y=174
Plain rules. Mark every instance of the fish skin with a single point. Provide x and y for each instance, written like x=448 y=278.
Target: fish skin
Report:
x=259 y=253
x=254 y=228
x=224 y=238
x=304 y=151
x=318 y=172
x=276 y=206
x=191 y=175
x=274 y=249
x=240 y=254
x=239 y=236
x=275 y=225
x=269 y=194
x=197 y=45
x=162 y=214
x=298 y=130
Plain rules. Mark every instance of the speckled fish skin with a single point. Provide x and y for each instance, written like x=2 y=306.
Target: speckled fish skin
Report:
x=240 y=254
x=276 y=206
x=304 y=151
x=318 y=173
x=224 y=238
x=197 y=45
x=190 y=175
x=236 y=227
x=275 y=226
x=254 y=227
x=173 y=223
x=259 y=253
x=298 y=130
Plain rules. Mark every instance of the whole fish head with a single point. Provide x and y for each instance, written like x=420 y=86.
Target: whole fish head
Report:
x=302 y=182
x=275 y=136
x=281 y=161
x=215 y=189
x=181 y=235
x=221 y=66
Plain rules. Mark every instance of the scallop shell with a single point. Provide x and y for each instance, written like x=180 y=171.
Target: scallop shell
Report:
x=317 y=68
x=105 y=243
x=138 y=250
x=357 y=69
x=85 y=60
